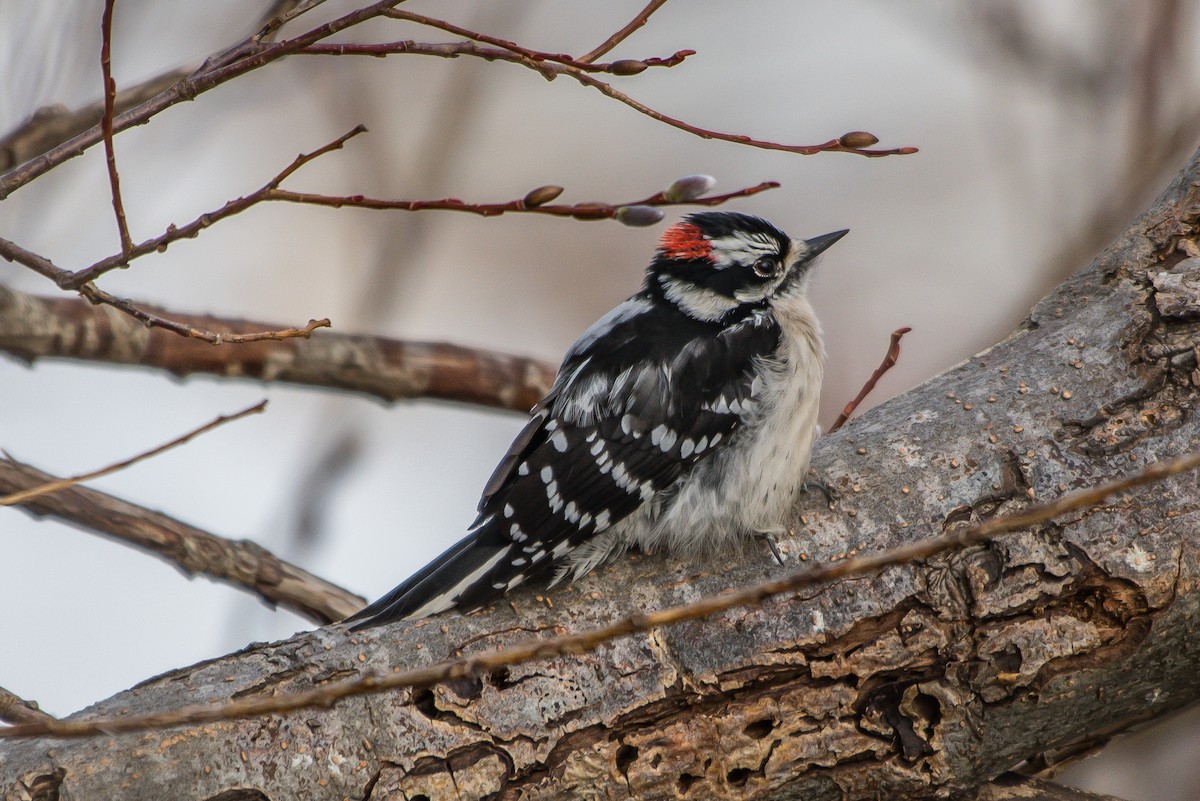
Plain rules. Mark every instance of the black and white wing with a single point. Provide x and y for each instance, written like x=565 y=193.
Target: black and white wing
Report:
x=643 y=395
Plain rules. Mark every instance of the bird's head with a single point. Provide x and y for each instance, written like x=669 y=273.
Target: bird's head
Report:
x=714 y=262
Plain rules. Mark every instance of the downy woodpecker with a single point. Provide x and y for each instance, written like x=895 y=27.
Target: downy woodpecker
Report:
x=684 y=418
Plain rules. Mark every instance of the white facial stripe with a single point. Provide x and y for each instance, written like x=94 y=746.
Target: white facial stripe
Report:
x=703 y=304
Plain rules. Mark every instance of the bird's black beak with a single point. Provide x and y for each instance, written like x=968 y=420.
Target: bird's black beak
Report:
x=819 y=244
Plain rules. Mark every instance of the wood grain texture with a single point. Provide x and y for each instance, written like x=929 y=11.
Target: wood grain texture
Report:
x=927 y=681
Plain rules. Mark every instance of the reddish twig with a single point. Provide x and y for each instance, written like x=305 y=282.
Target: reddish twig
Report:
x=244 y=57
x=106 y=123
x=583 y=642
x=152 y=320
x=239 y=563
x=832 y=146
x=624 y=67
x=173 y=233
x=270 y=191
x=578 y=211
x=638 y=21
x=889 y=361
x=26 y=495
x=549 y=65
x=579 y=71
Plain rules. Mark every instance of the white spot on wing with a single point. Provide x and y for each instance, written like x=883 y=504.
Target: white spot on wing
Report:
x=559 y=441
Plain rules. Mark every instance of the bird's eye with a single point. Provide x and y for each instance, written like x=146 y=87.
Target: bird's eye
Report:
x=765 y=267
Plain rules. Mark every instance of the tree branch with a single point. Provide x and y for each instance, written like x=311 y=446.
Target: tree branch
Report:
x=33 y=327
x=242 y=564
x=558 y=645
x=928 y=679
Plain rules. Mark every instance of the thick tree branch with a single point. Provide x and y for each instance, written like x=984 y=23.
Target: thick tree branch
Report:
x=543 y=648
x=240 y=563
x=925 y=680
x=33 y=327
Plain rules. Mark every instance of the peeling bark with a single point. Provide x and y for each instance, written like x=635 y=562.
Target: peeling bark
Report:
x=927 y=681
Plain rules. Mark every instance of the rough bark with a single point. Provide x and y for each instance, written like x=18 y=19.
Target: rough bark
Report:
x=927 y=681
x=33 y=327
x=238 y=563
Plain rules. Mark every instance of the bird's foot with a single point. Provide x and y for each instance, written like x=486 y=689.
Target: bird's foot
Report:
x=771 y=537
x=832 y=496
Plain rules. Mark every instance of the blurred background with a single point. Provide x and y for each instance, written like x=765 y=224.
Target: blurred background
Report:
x=1043 y=127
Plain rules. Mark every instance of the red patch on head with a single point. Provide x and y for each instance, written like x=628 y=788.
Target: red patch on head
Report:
x=685 y=241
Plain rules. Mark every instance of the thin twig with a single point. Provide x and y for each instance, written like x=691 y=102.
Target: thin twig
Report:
x=629 y=66
x=239 y=563
x=832 y=146
x=11 y=251
x=15 y=709
x=152 y=320
x=638 y=21
x=889 y=361
x=530 y=650
x=24 y=496
x=579 y=211
x=270 y=191
x=244 y=57
x=547 y=64
x=33 y=327
x=580 y=73
x=106 y=123
x=173 y=233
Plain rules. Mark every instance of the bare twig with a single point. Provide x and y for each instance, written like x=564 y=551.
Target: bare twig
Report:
x=547 y=64
x=153 y=320
x=627 y=67
x=889 y=361
x=578 y=211
x=106 y=123
x=530 y=650
x=52 y=125
x=11 y=251
x=239 y=563
x=33 y=327
x=173 y=234
x=24 y=496
x=832 y=146
x=580 y=73
x=15 y=709
x=270 y=191
x=638 y=21
x=242 y=58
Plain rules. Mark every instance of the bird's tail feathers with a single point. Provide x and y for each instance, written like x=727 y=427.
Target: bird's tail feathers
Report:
x=472 y=572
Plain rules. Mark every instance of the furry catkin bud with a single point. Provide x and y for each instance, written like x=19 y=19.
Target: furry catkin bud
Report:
x=541 y=196
x=639 y=215
x=690 y=187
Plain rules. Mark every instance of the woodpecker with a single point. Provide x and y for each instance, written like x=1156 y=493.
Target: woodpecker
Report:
x=684 y=418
